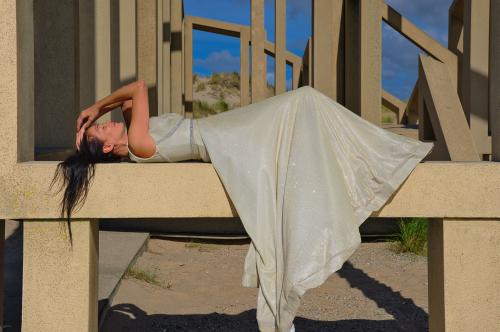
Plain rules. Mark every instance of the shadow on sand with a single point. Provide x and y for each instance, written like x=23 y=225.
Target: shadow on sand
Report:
x=407 y=315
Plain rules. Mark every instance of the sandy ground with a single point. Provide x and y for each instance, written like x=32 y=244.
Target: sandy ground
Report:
x=376 y=290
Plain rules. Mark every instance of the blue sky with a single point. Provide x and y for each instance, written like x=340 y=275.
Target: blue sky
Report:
x=213 y=53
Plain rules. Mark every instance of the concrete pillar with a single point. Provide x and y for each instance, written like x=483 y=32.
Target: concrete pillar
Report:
x=102 y=37
x=464 y=265
x=26 y=83
x=9 y=61
x=164 y=100
x=244 y=67
x=494 y=77
x=2 y=260
x=475 y=71
x=188 y=65
x=176 y=57
x=327 y=47
x=280 y=48
x=146 y=49
x=363 y=85
x=123 y=47
x=60 y=282
x=259 y=85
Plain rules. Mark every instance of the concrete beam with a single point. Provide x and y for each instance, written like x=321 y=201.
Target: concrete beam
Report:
x=494 y=79
x=436 y=189
x=440 y=102
x=164 y=57
x=463 y=274
x=420 y=38
x=59 y=281
x=394 y=104
x=280 y=40
x=188 y=65
x=244 y=66
x=363 y=79
x=258 y=56
x=176 y=60
x=328 y=48
x=411 y=110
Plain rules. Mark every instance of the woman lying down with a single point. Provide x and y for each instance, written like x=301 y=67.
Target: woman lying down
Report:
x=302 y=171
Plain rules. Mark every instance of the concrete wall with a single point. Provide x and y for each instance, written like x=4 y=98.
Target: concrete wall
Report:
x=55 y=87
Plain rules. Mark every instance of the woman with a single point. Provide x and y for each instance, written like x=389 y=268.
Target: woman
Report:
x=302 y=171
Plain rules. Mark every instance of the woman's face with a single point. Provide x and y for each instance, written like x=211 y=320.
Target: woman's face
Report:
x=109 y=133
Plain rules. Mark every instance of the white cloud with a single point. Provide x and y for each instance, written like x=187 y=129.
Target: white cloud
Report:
x=220 y=61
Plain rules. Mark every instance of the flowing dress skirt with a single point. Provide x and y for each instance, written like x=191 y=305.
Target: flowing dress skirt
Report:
x=303 y=173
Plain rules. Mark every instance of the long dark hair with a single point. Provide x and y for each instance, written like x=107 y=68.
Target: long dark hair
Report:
x=77 y=172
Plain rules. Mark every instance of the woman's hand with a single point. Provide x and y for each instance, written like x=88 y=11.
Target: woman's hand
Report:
x=87 y=118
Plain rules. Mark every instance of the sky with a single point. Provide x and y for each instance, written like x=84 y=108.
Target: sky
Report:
x=213 y=53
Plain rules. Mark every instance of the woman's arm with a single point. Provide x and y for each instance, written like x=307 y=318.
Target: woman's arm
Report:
x=101 y=107
x=139 y=140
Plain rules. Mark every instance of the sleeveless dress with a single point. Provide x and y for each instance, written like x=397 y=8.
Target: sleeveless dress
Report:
x=177 y=139
x=303 y=172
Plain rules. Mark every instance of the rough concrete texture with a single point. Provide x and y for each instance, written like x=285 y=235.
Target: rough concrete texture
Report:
x=463 y=275
x=445 y=110
x=376 y=290
x=435 y=189
x=59 y=281
x=494 y=76
x=118 y=251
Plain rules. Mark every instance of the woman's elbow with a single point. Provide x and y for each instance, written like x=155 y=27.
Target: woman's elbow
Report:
x=141 y=84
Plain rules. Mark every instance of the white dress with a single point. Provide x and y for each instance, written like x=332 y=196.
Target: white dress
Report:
x=303 y=173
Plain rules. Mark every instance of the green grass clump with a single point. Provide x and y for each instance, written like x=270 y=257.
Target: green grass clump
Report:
x=387 y=118
x=412 y=236
x=147 y=276
x=220 y=105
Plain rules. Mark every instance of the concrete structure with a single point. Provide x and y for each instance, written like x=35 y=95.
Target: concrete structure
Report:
x=280 y=40
x=494 y=77
x=328 y=49
x=234 y=30
x=363 y=81
x=460 y=197
x=474 y=68
x=439 y=100
x=394 y=104
x=258 y=37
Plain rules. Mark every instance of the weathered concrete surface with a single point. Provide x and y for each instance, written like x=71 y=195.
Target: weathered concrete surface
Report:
x=394 y=104
x=59 y=281
x=363 y=58
x=474 y=71
x=440 y=100
x=280 y=40
x=258 y=38
x=176 y=60
x=436 y=189
x=494 y=75
x=328 y=48
x=118 y=251
x=463 y=274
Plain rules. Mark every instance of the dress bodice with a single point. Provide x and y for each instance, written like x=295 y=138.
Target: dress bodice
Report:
x=177 y=138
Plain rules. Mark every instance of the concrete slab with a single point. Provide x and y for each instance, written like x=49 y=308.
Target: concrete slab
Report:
x=117 y=251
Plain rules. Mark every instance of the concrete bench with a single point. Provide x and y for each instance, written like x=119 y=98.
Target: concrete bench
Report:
x=60 y=286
